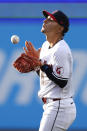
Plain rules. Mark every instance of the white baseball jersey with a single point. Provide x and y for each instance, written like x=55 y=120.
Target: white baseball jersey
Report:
x=60 y=57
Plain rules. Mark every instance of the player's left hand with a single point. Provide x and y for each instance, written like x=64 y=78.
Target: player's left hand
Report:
x=26 y=63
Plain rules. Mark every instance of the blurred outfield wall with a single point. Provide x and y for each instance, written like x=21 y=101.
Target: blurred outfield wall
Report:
x=20 y=107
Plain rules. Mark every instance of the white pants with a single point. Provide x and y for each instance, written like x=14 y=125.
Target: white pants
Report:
x=58 y=115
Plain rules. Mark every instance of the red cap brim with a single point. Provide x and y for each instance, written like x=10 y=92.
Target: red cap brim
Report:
x=46 y=14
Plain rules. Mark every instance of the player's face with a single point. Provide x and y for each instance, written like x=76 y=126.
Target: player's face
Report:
x=49 y=25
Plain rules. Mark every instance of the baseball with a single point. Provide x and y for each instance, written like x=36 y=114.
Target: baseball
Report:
x=15 y=39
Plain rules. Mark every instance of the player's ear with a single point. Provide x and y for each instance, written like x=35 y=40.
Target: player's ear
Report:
x=61 y=28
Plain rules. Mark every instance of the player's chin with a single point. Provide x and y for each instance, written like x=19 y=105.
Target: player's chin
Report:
x=43 y=31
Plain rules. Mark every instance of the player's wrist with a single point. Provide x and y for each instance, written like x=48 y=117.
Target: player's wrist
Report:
x=38 y=67
x=41 y=63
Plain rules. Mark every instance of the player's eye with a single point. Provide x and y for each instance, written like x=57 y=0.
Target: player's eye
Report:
x=50 y=20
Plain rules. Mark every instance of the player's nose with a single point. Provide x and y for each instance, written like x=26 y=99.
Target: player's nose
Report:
x=45 y=21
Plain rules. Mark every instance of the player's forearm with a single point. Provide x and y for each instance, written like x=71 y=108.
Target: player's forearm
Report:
x=57 y=80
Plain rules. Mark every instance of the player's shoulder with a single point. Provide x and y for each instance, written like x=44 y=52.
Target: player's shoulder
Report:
x=45 y=44
x=62 y=48
x=63 y=45
x=44 y=47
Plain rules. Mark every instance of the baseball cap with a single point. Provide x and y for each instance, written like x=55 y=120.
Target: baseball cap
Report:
x=59 y=17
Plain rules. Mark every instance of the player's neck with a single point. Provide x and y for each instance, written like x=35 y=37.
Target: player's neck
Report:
x=53 y=39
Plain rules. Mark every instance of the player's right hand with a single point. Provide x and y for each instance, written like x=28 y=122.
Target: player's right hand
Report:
x=30 y=50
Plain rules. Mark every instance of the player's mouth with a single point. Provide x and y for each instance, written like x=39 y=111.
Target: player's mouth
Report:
x=43 y=25
x=43 y=28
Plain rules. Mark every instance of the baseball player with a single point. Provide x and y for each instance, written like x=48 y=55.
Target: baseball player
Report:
x=56 y=64
x=56 y=91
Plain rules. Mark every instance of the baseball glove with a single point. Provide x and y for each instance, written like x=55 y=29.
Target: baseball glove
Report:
x=25 y=63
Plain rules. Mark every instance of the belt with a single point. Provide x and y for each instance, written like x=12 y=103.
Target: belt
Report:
x=47 y=100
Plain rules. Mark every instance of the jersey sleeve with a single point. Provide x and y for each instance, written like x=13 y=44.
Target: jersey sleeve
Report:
x=61 y=67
